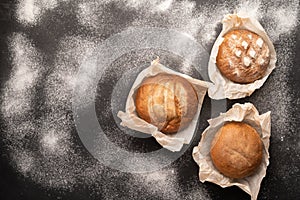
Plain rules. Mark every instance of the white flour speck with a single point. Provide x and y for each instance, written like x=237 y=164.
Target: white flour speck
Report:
x=30 y=11
x=165 y=5
x=163 y=183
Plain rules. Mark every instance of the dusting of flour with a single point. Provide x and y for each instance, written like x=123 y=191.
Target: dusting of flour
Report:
x=56 y=159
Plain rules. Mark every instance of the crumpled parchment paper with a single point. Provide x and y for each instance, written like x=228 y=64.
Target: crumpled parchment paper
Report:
x=223 y=87
x=242 y=113
x=172 y=142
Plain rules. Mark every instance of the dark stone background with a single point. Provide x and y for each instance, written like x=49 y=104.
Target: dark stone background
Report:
x=14 y=186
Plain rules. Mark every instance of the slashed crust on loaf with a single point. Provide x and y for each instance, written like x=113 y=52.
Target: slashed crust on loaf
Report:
x=243 y=56
x=166 y=101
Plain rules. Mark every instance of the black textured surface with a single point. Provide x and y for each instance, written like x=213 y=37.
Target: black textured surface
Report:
x=13 y=186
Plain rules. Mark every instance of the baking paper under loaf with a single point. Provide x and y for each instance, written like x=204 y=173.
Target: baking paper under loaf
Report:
x=130 y=119
x=241 y=113
x=222 y=87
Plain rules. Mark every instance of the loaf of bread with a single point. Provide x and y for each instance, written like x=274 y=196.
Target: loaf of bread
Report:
x=243 y=56
x=167 y=101
x=236 y=150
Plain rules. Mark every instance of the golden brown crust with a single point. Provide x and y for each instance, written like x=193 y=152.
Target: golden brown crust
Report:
x=243 y=56
x=236 y=150
x=166 y=101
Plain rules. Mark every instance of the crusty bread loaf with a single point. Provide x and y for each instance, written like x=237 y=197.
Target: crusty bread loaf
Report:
x=236 y=150
x=243 y=56
x=166 y=101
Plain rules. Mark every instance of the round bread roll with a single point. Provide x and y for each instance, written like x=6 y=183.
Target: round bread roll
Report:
x=236 y=150
x=243 y=56
x=167 y=101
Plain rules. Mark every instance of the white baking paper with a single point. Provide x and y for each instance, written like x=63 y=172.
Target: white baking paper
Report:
x=242 y=113
x=223 y=87
x=172 y=142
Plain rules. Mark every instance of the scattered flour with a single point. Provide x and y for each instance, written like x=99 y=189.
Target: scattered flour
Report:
x=56 y=159
x=163 y=184
x=285 y=19
x=165 y=5
x=30 y=11
x=26 y=62
x=25 y=162
x=252 y=8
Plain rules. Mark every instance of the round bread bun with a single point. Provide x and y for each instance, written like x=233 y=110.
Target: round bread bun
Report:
x=167 y=101
x=243 y=56
x=236 y=150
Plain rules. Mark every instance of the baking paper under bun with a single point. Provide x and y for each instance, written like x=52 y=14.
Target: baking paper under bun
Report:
x=236 y=150
x=167 y=101
x=130 y=119
x=222 y=87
